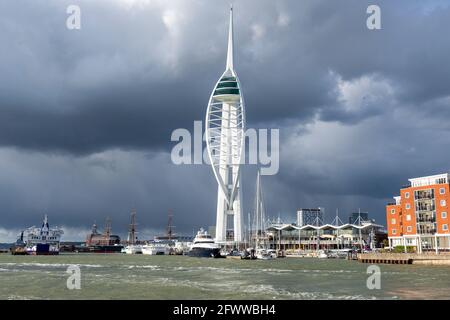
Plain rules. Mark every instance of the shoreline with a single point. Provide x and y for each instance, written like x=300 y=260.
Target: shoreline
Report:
x=405 y=258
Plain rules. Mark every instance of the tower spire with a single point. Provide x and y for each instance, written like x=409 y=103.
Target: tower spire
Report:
x=230 y=42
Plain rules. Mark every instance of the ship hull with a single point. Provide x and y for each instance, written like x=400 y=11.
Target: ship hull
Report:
x=42 y=249
x=155 y=251
x=49 y=253
x=105 y=249
x=205 y=253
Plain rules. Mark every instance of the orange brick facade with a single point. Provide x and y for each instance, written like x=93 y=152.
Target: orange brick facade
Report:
x=393 y=219
x=421 y=211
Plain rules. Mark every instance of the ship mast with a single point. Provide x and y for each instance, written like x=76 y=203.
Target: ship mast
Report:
x=259 y=219
x=132 y=230
x=108 y=227
x=169 y=225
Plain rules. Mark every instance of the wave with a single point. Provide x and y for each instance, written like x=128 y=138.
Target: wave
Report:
x=51 y=265
x=151 y=267
x=298 y=295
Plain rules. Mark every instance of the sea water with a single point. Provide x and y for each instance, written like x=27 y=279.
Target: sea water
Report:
x=120 y=276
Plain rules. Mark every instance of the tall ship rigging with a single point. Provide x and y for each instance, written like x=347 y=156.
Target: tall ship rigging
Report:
x=132 y=247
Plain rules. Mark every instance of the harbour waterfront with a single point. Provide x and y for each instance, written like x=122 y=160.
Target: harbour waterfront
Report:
x=117 y=276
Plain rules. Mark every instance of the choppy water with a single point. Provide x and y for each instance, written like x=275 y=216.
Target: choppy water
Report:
x=117 y=276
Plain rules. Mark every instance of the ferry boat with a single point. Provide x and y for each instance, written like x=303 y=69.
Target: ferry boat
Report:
x=156 y=248
x=43 y=240
x=204 y=246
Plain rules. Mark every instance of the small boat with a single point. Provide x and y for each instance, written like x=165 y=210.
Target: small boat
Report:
x=19 y=246
x=155 y=248
x=321 y=254
x=204 y=246
x=339 y=253
x=264 y=254
x=248 y=254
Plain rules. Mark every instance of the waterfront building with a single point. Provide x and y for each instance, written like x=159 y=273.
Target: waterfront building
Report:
x=224 y=130
x=356 y=216
x=419 y=215
x=309 y=216
x=364 y=235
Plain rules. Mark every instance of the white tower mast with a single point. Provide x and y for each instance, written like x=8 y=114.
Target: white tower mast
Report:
x=225 y=126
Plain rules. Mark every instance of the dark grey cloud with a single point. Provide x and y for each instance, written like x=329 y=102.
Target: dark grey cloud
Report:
x=86 y=116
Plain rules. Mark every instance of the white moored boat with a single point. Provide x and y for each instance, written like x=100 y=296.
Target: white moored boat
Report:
x=156 y=248
x=264 y=254
x=204 y=246
x=133 y=249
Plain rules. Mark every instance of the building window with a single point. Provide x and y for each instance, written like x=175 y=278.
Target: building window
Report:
x=393 y=221
x=441 y=190
x=443 y=203
x=444 y=227
x=408 y=206
x=394 y=231
x=409 y=229
x=407 y=195
x=444 y=215
x=408 y=217
x=392 y=211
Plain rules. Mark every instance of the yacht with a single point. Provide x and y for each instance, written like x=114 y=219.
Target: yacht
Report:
x=156 y=248
x=204 y=246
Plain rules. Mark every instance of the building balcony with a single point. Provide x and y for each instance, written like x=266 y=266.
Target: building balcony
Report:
x=427 y=220
x=429 y=232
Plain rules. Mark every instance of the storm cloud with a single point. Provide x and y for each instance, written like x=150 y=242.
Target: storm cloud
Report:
x=86 y=115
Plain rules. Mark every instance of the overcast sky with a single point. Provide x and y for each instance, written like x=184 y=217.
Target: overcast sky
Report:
x=86 y=115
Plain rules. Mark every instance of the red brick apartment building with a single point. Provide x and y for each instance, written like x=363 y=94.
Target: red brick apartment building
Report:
x=420 y=215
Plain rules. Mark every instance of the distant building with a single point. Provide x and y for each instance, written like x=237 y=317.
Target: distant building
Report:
x=419 y=216
x=354 y=217
x=309 y=217
x=368 y=235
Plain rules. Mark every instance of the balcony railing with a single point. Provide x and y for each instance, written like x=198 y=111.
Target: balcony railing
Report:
x=430 y=209
x=426 y=220
x=427 y=231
